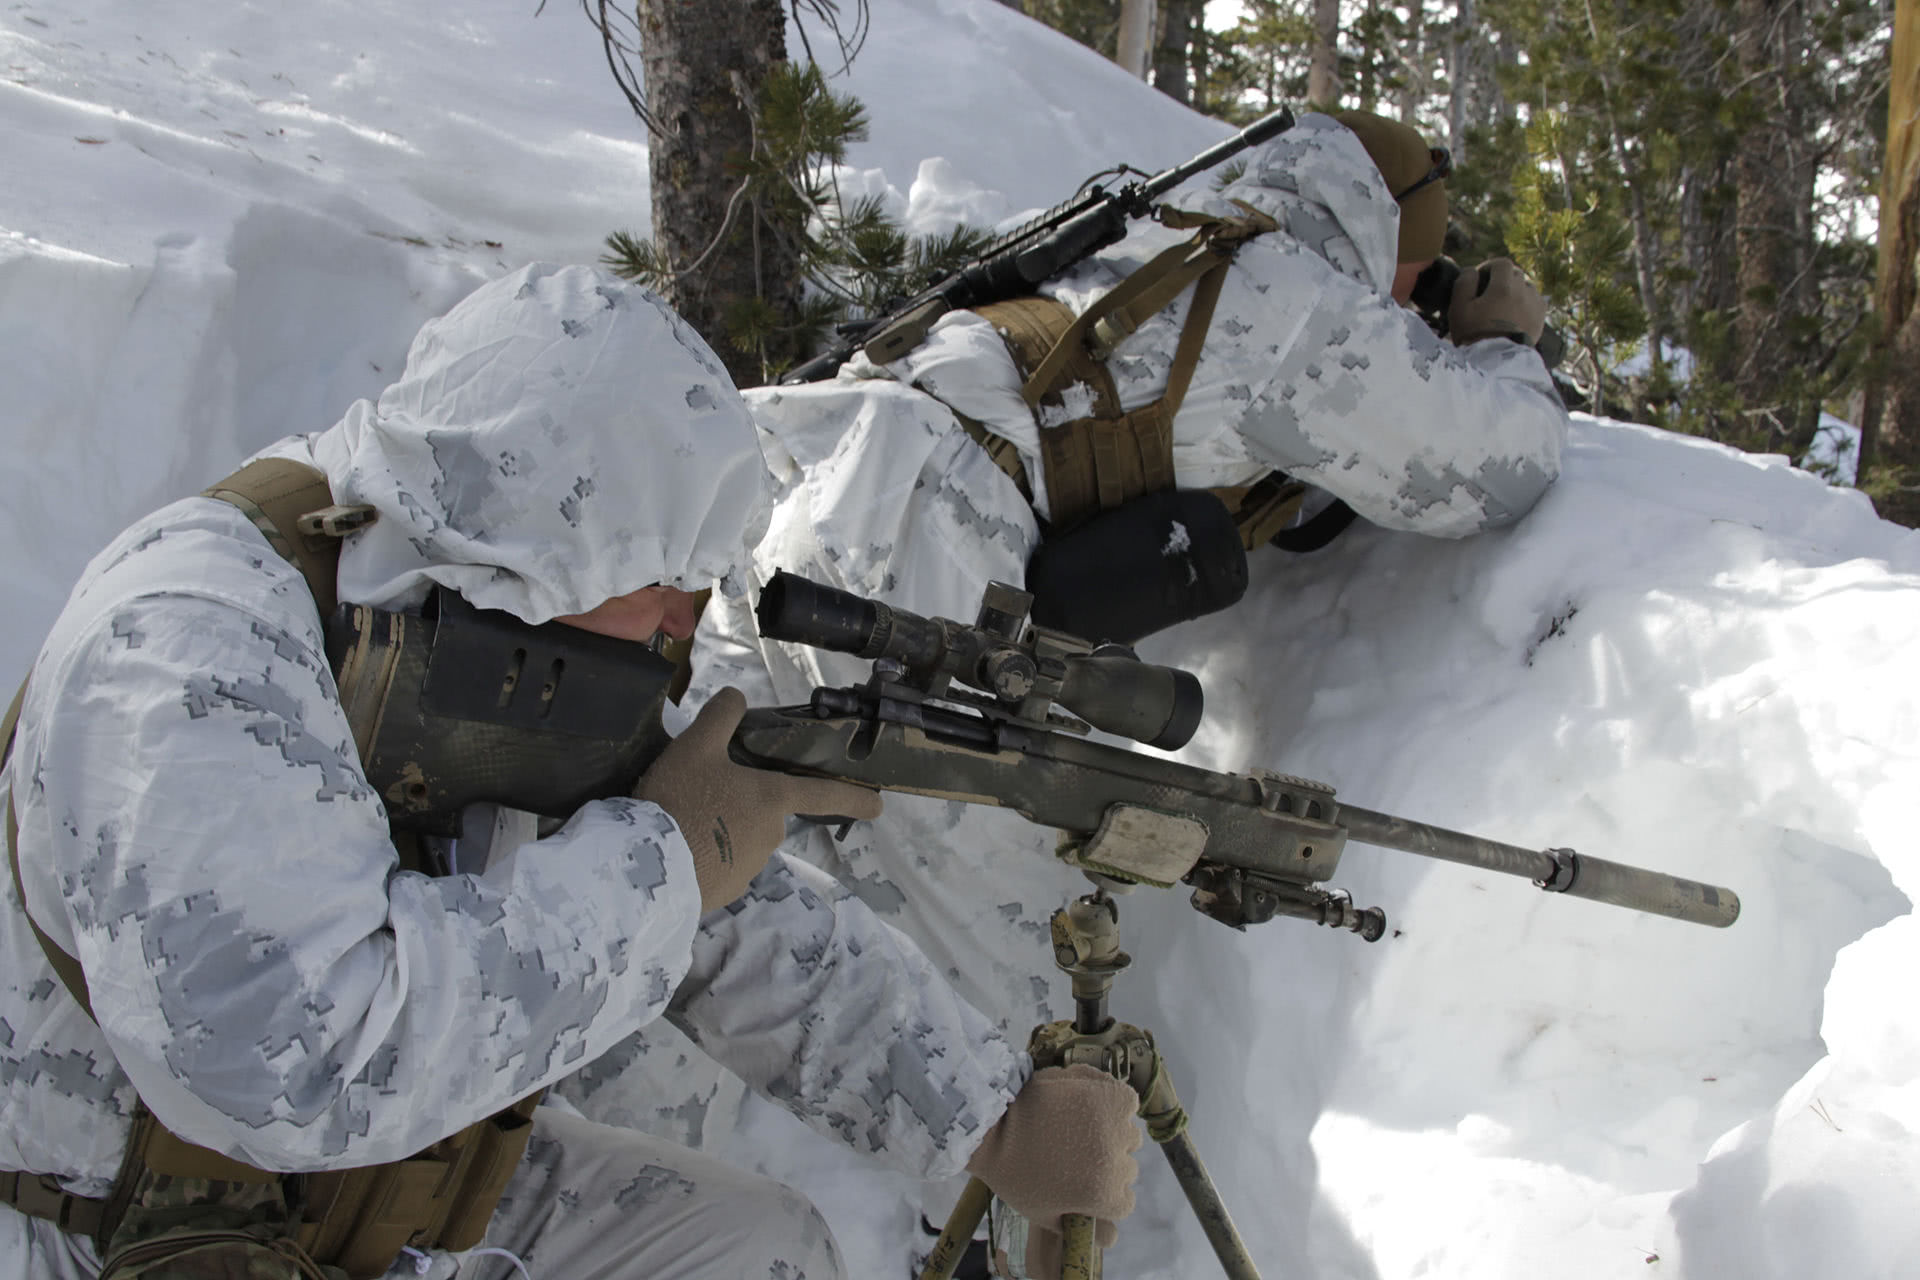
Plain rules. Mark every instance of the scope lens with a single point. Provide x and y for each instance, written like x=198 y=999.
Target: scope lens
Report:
x=807 y=612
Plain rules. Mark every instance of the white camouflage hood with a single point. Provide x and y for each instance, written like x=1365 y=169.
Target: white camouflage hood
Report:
x=1319 y=182
x=558 y=438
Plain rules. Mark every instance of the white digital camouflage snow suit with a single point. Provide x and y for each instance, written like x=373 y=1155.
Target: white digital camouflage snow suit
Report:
x=1309 y=367
x=195 y=827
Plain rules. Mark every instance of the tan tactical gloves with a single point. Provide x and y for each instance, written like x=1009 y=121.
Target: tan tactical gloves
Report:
x=1065 y=1146
x=1495 y=300
x=734 y=817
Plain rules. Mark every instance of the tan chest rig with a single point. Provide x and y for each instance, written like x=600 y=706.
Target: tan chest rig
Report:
x=180 y=1210
x=1102 y=460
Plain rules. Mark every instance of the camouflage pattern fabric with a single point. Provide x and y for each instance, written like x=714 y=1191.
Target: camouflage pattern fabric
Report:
x=1308 y=366
x=203 y=1229
x=196 y=829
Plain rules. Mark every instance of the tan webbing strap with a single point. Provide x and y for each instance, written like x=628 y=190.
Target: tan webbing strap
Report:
x=1097 y=463
x=1148 y=289
x=1185 y=262
x=1033 y=327
x=275 y=493
x=39 y=1195
x=1075 y=455
x=1003 y=452
x=1193 y=337
x=1263 y=508
x=1097 y=460
x=156 y=1147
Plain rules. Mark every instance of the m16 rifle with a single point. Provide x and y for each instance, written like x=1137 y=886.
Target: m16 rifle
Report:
x=1020 y=260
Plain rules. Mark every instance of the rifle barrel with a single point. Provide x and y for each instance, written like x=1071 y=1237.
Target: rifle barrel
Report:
x=1274 y=122
x=1555 y=870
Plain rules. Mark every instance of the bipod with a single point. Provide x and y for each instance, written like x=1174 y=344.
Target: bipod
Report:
x=1086 y=943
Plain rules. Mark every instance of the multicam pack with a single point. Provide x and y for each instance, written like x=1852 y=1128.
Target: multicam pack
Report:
x=176 y=1226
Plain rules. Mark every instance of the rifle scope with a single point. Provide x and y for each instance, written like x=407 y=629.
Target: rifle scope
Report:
x=1109 y=688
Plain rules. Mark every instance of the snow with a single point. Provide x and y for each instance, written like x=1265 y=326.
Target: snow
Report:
x=222 y=223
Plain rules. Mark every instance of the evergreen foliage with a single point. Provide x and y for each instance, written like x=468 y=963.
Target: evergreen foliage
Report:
x=1599 y=144
x=854 y=256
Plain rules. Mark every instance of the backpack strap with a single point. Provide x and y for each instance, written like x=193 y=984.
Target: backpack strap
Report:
x=1102 y=456
x=1150 y=288
x=293 y=507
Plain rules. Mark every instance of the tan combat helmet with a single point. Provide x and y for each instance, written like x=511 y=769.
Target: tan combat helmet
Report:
x=1415 y=173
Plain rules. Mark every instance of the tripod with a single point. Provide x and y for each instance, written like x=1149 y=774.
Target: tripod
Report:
x=1086 y=944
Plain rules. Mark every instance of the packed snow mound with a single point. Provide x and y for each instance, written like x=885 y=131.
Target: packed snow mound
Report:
x=224 y=223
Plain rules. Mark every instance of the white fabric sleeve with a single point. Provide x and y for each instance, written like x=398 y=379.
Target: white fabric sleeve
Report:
x=816 y=1003
x=276 y=987
x=727 y=653
x=1414 y=433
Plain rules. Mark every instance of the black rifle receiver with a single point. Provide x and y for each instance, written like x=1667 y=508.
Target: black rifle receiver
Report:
x=1020 y=260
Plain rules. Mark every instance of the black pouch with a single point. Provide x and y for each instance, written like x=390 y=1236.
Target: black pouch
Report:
x=1156 y=560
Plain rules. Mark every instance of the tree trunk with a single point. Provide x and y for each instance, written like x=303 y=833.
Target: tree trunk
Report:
x=1170 y=57
x=1890 y=424
x=1412 y=56
x=1459 y=73
x=1135 y=38
x=1772 y=178
x=1201 y=63
x=1323 y=71
x=704 y=62
x=1626 y=156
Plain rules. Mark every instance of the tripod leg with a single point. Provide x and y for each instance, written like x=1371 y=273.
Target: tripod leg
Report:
x=1079 y=1248
x=1209 y=1208
x=966 y=1215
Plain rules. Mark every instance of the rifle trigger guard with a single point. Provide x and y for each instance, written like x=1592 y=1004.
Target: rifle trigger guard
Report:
x=1566 y=870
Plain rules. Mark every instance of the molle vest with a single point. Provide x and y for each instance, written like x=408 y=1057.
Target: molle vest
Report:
x=1102 y=460
x=178 y=1201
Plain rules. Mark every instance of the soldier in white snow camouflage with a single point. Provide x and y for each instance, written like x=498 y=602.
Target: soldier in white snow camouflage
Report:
x=195 y=827
x=1311 y=366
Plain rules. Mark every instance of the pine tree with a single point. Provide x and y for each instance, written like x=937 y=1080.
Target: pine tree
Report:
x=1890 y=426
x=853 y=257
x=1563 y=222
x=718 y=254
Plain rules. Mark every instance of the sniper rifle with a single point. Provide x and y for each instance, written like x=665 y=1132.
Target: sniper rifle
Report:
x=998 y=713
x=455 y=705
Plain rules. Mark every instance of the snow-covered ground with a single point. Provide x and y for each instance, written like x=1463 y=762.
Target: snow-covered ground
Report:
x=221 y=223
